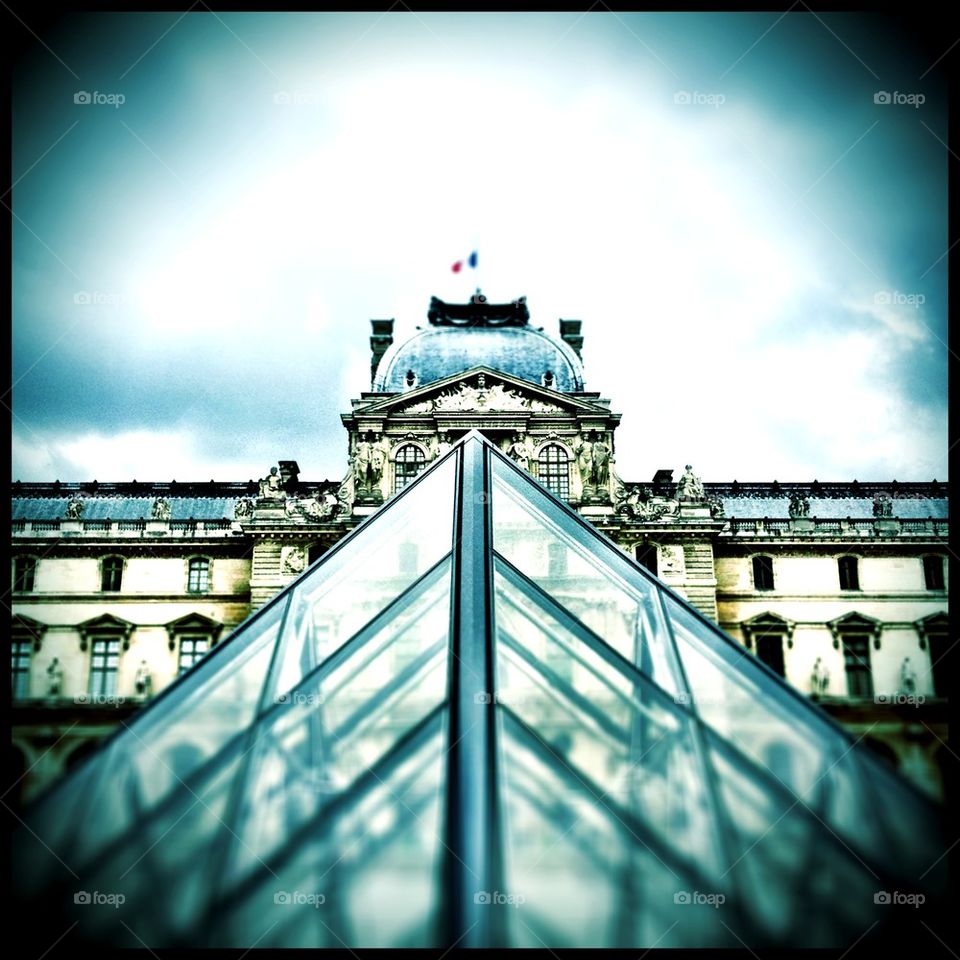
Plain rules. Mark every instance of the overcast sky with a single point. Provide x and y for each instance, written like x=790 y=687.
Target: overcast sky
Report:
x=756 y=246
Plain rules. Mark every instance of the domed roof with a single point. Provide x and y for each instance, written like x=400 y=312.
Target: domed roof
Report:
x=461 y=336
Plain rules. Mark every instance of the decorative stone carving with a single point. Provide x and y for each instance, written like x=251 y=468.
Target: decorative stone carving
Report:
x=243 y=509
x=908 y=678
x=368 y=460
x=519 y=451
x=271 y=486
x=690 y=487
x=636 y=502
x=293 y=560
x=481 y=398
x=672 y=561
x=54 y=678
x=882 y=505
x=799 y=505
x=143 y=681
x=323 y=506
x=600 y=454
x=716 y=508
x=819 y=678
x=439 y=445
x=74 y=509
x=161 y=509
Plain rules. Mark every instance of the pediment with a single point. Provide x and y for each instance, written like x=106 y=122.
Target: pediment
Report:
x=481 y=390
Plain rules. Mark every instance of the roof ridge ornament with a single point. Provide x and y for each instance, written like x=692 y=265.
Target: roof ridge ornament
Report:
x=478 y=313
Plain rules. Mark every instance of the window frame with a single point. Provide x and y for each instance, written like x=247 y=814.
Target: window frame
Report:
x=21 y=575
x=192 y=637
x=844 y=564
x=554 y=475
x=105 y=569
x=111 y=654
x=21 y=651
x=757 y=564
x=400 y=459
x=207 y=571
x=941 y=571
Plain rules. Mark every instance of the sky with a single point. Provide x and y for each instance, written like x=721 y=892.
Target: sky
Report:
x=747 y=212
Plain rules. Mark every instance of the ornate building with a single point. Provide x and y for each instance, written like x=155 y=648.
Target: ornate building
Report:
x=840 y=588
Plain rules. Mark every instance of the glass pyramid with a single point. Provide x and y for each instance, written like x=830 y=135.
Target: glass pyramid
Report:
x=477 y=722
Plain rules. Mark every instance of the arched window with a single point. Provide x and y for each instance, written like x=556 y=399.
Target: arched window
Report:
x=111 y=573
x=198 y=575
x=407 y=464
x=553 y=468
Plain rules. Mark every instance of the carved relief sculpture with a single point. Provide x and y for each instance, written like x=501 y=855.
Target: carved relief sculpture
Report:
x=161 y=509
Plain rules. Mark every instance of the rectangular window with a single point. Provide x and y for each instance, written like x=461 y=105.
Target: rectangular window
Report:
x=856 y=663
x=849 y=573
x=21 y=652
x=647 y=557
x=198 y=579
x=763 y=573
x=933 y=573
x=770 y=651
x=24 y=573
x=111 y=573
x=104 y=662
x=192 y=648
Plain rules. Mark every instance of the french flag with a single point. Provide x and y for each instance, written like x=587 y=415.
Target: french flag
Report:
x=471 y=261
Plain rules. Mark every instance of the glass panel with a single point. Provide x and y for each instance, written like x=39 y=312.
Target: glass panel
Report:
x=580 y=873
x=735 y=700
x=613 y=726
x=208 y=709
x=339 y=724
x=356 y=582
x=364 y=873
x=552 y=550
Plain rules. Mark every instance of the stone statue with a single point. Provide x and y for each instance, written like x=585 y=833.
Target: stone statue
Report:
x=716 y=508
x=271 y=486
x=519 y=452
x=143 y=681
x=243 y=509
x=819 y=678
x=690 y=487
x=908 y=678
x=74 y=509
x=600 y=455
x=54 y=678
x=368 y=461
x=882 y=506
x=161 y=509
x=799 y=505
x=441 y=444
x=583 y=451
